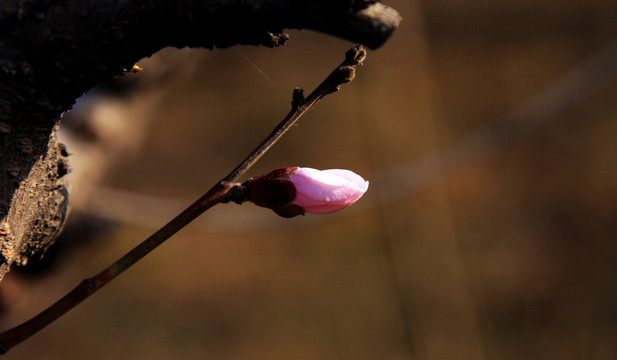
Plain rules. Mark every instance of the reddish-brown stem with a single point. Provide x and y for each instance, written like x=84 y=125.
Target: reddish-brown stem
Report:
x=341 y=75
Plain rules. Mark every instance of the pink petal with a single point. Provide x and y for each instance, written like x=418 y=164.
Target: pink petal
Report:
x=322 y=192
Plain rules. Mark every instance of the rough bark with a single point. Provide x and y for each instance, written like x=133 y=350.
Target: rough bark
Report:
x=52 y=51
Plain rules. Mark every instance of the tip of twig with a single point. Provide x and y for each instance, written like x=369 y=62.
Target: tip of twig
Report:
x=355 y=55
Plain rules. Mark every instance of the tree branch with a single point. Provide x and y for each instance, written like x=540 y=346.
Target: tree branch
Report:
x=343 y=74
x=52 y=51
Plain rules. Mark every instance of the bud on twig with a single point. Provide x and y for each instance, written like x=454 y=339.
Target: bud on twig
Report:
x=293 y=191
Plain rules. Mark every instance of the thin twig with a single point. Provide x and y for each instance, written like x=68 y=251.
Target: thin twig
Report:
x=341 y=75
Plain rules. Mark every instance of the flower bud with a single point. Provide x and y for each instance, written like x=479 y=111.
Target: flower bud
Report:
x=294 y=191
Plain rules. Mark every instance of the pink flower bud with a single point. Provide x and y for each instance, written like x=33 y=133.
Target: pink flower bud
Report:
x=326 y=191
x=294 y=191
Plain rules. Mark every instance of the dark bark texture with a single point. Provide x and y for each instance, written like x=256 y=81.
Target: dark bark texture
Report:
x=53 y=51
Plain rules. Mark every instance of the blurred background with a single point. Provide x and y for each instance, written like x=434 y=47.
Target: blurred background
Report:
x=487 y=130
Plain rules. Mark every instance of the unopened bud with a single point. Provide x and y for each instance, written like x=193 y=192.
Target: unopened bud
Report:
x=296 y=190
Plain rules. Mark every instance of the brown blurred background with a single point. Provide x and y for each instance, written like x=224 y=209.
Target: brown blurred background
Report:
x=489 y=230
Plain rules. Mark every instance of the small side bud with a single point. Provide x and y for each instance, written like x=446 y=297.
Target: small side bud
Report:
x=297 y=98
